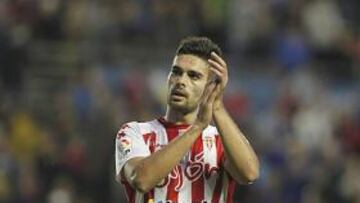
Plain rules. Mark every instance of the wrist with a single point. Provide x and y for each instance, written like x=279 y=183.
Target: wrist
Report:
x=219 y=106
x=199 y=126
x=219 y=112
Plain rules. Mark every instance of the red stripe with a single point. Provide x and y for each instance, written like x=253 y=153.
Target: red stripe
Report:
x=148 y=196
x=231 y=190
x=130 y=192
x=150 y=140
x=219 y=151
x=197 y=186
x=174 y=177
x=171 y=133
x=172 y=193
x=220 y=161
x=218 y=188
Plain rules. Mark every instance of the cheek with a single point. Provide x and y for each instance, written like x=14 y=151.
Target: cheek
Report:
x=198 y=91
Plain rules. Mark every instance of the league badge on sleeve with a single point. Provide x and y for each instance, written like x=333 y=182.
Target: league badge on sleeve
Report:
x=125 y=145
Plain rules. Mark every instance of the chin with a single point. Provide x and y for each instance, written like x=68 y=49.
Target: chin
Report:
x=177 y=105
x=181 y=107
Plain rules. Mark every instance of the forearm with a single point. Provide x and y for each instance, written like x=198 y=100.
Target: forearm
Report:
x=152 y=169
x=243 y=161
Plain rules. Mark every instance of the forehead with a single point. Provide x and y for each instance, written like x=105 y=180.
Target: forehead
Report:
x=191 y=62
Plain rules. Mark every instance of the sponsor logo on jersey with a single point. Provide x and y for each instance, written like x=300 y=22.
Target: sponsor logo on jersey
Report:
x=193 y=170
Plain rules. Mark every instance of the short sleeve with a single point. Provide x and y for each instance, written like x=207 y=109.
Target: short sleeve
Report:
x=129 y=144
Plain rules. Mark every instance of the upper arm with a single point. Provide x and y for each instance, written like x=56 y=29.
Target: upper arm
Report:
x=129 y=150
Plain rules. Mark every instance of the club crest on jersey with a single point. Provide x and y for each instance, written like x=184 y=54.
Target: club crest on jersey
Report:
x=209 y=142
x=125 y=145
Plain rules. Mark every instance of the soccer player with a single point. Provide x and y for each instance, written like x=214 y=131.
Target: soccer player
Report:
x=181 y=157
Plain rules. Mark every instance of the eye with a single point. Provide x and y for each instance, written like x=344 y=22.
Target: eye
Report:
x=194 y=75
x=176 y=71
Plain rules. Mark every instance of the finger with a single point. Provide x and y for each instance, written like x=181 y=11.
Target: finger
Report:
x=218 y=59
x=220 y=69
x=214 y=94
x=219 y=91
x=207 y=92
x=217 y=65
x=217 y=72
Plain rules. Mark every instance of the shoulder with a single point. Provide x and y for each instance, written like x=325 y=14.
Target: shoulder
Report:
x=129 y=126
x=138 y=127
x=149 y=126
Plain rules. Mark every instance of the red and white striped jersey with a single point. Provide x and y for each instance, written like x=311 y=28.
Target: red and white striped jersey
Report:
x=199 y=177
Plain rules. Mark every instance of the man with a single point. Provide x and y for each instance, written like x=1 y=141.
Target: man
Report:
x=181 y=157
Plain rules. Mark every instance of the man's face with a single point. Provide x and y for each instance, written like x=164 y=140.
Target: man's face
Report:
x=186 y=82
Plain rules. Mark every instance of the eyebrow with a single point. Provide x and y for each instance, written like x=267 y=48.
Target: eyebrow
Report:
x=196 y=72
x=176 y=67
x=192 y=71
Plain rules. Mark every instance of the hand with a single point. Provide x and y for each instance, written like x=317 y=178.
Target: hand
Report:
x=206 y=104
x=219 y=68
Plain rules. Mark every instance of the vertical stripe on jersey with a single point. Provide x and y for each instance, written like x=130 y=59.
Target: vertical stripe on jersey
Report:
x=172 y=193
x=197 y=186
x=220 y=151
x=210 y=164
x=218 y=188
x=162 y=139
x=139 y=197
x=160 y=194
x=149 y=196
x=150 y=141
x=224 y=192
x=231 y=189
x=130 y=192
x=185 y=192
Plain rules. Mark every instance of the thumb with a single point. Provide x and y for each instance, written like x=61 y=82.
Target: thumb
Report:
x=209 y=88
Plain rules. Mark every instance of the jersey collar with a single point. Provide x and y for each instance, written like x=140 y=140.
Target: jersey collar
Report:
x=168 y=124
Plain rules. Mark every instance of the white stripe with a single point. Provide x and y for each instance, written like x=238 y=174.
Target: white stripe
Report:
x=161 y=136
x=185 y=192
x=210 y=157
x=160 y=194
x=139 y=197
x=161 y=139
x=224 y=190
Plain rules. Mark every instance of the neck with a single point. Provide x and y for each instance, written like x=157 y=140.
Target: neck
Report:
x=178 y=117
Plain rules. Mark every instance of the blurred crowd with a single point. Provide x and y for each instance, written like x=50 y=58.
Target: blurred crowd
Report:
x=72 y=72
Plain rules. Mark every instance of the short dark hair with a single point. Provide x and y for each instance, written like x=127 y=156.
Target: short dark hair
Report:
x=198 y=46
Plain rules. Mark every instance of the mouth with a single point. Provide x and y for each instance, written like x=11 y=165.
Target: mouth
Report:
x=178 y=93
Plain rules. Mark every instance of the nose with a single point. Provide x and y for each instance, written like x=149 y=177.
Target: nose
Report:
x=181 y=80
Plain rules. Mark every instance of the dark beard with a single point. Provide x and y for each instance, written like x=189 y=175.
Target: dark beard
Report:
x=182 y=108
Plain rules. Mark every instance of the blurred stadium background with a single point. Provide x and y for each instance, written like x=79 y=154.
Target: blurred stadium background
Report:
x=73 y=71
